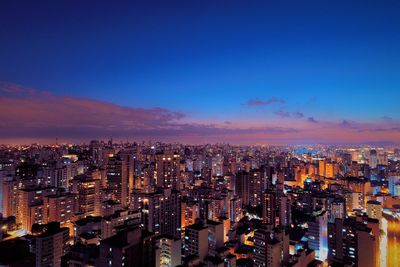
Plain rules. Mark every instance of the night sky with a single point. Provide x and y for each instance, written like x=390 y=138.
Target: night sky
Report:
x=244 y=72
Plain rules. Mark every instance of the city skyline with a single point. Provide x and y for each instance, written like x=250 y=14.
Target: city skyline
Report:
x=263 y=73
x=200 y=133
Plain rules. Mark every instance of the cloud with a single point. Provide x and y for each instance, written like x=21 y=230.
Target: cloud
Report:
x=298 y=115
x=282 y=114
x=256 y=102
x=312 y=120
x=28 y=113
x=31 y=113
x=346 y=123
x=285 y=114
x=39 y=116
x=392 y=129
x=387 y=118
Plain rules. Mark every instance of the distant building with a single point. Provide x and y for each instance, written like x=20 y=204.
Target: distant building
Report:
x=374 y=209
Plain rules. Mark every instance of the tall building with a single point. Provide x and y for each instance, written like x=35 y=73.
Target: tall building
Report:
x=7 y=173
x=215 y=235
x=131 y=247
x=321 y=168
x=161 y=212
x=317 y=235
x=256 y=187
x=352 y=242
x=9 y=197
x=373 y=158
x=30 y=209
x=196 y=241
x=284 y=206
x=50 y=245
x=167 y=168
x=374 y=209
x=217 y=164
x=270 y=249
x=269 y=207
x=168 y=252
x=128 y=156
x=330 y=170
x=117 y=179
x=59 y=207
x=394 y=185
x=87 y=192
x=242 y=187
x=337 y=209
x=236 y=212
x=190 y=211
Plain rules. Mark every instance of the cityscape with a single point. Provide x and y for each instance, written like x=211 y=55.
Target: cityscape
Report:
x=156 y=204
x=199 y=134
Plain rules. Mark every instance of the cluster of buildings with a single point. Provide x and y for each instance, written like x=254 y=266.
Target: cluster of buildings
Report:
x=107 y=204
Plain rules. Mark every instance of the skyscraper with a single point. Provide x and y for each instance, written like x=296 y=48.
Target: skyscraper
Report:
x=269 y=207
x=317 y=235
x=167 y=170
x=161 y=212
x=117 y=179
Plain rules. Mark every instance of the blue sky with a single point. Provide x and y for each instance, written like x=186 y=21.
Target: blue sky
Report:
x=331 y=60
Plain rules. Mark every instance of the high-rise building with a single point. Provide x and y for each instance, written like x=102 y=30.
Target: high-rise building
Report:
x=374 y=209
x=190 y=211
x=9 y=197
x=217 y=164
x=317 y=235
x=87 y=192
x=168 y=252
x=161 y=212
x=128 y=156
x=30 y=206
x=7 y=173
x=167 y=168
x=337 y=209
x=236 y=213
x=242 y=187
x=196 y=241
x=117 y=179
x=284 y=206
x=373 y=158
x=270 y=249
x=50 y=245
x=269 y=207
x=321 y=168
x=59 y=207
x=351 y=242
x=215 y=235
x=394 y=185
x=131 y=247
x=256 y=187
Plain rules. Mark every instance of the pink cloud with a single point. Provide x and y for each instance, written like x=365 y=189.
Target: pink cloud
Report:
x=28 y=114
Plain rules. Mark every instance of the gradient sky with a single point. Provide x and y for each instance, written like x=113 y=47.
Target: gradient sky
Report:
x=200 y=71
